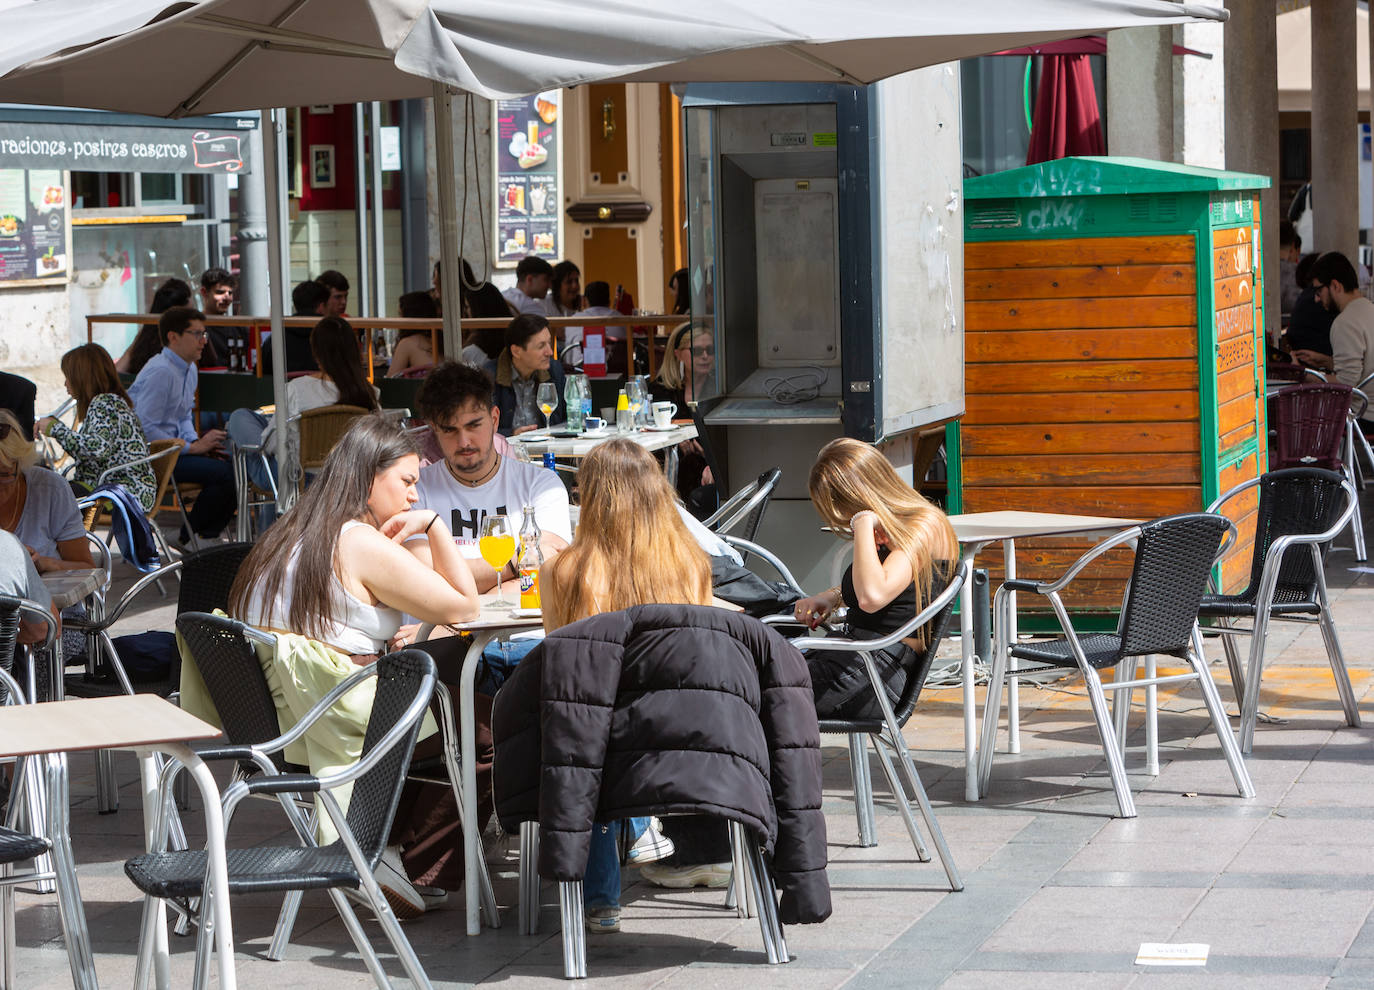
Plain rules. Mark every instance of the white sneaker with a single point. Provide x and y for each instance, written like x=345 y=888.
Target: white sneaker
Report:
x=714 y=875
x=650 y=847
x=400 y=893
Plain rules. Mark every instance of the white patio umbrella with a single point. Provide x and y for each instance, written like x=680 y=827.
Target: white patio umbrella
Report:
x=174 y=59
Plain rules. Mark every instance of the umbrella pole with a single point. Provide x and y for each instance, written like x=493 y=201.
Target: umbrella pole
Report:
x=273 y=130
x=449 y=248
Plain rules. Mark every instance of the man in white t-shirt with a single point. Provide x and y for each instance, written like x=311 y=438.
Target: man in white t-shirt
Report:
x=533 y=276
x=473 y=481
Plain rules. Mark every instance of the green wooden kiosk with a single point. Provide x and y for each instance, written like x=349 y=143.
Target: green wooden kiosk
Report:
x=1114 y=349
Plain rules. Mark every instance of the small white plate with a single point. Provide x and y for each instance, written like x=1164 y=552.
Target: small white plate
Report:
x=662 y=429
x=526 y=613
x=529 y=438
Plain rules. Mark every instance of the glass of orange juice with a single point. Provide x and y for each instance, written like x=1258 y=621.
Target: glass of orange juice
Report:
x=497 y=547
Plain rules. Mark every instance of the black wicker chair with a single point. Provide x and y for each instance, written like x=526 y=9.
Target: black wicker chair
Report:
x=206 y=576
x=405 y=682
x=52 y=857
x=1300 y=511
x=1173 y=560
x=886 y=732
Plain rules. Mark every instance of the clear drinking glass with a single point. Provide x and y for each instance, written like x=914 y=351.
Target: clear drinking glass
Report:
x=634 y=393
x=547 y=400
x=497 y=547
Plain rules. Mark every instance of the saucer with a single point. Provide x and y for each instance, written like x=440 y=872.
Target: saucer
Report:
x=662 y=429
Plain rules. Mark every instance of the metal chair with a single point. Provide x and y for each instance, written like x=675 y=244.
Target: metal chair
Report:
x=405 y=681
x=886 y=732
x=207 y=576
x=746 y=506
x=51 y=814
x=321 y=428
x=1300 y=511
x=1173 y=559
x=1309 y=422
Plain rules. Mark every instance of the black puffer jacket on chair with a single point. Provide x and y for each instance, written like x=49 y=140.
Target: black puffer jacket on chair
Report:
x=658 y=710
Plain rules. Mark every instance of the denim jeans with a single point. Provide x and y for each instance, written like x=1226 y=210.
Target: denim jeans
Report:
x=601 y=881
x=499 y=660
x=245 y=428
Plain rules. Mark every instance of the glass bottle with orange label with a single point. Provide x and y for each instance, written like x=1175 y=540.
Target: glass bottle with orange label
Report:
x=531 y=559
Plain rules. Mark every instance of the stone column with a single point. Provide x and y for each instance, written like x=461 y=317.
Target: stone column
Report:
x=1252 y=123
x=1140 y=93
x=1335 y=122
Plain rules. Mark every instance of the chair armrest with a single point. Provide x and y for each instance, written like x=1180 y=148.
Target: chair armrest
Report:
x=1022 y=584
x=135 y=589
x=108 y=472
x=748 y=546
x=284 y=783
x=927 y=614
x=226 y=751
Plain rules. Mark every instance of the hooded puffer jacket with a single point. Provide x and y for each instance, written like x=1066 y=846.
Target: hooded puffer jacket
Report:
x=658 y=710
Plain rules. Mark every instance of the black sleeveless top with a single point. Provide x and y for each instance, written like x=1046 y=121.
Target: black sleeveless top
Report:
x=888 y=619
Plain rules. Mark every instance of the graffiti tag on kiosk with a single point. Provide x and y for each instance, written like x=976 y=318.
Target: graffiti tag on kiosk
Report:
x=1056 y=215
x=1066 y=177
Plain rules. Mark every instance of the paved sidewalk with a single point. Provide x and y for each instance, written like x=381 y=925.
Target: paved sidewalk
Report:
x=1059 y=893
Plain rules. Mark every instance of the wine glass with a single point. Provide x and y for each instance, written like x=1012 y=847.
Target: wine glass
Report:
x=547 y=400
x=497 y=547
x=634 y=394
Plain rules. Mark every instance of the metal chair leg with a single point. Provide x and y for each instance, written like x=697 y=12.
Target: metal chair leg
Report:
x=68 y=893
x=1121 y=702
x=1249 y=711
x=1151 y=721
x=760 y=885
x=894 y=784
x=1228 y=644
x=1211 y=697
x=1333 y=648
x=918 y=791
x=1106 y=732
x=529 y=878
x=574 y=929
x=106 y=786
x=863 y=788
x=7 y=940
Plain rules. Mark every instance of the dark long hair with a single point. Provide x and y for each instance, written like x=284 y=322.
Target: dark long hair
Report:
x=91 y=372
x=334 y=343
x=339 y=493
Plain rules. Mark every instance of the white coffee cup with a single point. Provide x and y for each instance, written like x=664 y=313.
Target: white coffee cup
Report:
x=664 y=413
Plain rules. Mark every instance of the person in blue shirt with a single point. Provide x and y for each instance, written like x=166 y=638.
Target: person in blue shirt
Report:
x=164 y=395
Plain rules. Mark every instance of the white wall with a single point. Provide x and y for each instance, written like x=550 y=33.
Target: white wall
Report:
x=325 y=239
x=35 y=331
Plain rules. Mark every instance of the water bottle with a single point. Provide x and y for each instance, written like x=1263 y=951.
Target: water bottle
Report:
x=584 y=391
x=530 y=560
x=572 y=394
x=549 y=462
x=624 y=418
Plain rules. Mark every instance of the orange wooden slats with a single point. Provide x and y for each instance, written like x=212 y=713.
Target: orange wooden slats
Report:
x=1237 y=290
x=1237 y=381
x=1236 y=321
x=1142 y=501
x=1069 y=439
x=1232 y=259
x=1079 y=251
x=1083 y=469
x=1081 y=407
x=1078 y=282
x=1233 y=414
x=1063 y=376
x=1231 y=235
x=1238 y=352
x=1080 y=345
x=1052 y=314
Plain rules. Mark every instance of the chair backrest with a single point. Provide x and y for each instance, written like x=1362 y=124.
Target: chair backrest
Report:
x=11 y=611
x=229 y=666
x=1173 y=560
x=163 y=466
x=744 y=510
x=207 y=575
x=321 y=428
x=1293 y=502
x=1309 y=425
x=377 y=792
x=933 y=632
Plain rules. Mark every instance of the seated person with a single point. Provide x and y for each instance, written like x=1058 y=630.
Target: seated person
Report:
x=565 y=290
x=415 y=348
x=524 y=364
x=307 y=299
x=631 y=548
x=533 y=276
x=173 y=292
x=1309 y=322
x=19 y=579
x=109 y=433
x=333 y=569
x=902 y=544
x=164 y=395
x=598 y=305
x=340 y=381
x=37 y=505
x=686 y=375
x=18 y=395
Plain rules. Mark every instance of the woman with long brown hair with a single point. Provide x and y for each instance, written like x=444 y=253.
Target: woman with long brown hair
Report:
x=108 y=433
x=631 y=547
x=903 y=546
x=335 y=569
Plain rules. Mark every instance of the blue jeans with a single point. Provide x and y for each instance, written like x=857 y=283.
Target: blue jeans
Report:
x=245 y=428
x=215 y=505
x=499 y=660
x=601 y=881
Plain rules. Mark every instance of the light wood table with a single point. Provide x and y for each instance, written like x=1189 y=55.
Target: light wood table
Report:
x=70 y=587
x=147 y=725
x=537 y=442
x=491 y=623
x=975 y=530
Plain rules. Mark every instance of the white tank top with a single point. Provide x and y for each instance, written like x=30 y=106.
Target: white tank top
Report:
x=353 y=625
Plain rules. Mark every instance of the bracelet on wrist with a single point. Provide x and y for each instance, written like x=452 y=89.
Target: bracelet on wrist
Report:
x=426 y=530
x=859 y=515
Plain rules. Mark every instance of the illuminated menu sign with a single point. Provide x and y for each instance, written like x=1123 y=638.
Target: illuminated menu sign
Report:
x=33 y=225
x=527 y=152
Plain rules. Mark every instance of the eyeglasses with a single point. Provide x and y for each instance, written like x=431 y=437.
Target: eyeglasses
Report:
x=198 y=334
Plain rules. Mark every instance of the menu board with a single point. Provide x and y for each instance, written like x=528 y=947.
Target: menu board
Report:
x=528 y=136
x=33 y=225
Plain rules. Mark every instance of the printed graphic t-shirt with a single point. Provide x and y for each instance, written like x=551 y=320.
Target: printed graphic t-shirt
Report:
x=515 y=485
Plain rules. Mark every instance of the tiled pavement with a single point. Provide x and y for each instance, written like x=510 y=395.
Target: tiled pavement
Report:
x=1059 y=893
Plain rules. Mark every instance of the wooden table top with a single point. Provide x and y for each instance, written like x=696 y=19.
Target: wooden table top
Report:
x=120 y=722
x=69 y=587
x=536 y=445
x=1013 y=524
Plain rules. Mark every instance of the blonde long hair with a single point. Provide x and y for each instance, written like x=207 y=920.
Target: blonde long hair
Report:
x=17 y=446
x=631 y=547
x=671 y=372
x=850 y=476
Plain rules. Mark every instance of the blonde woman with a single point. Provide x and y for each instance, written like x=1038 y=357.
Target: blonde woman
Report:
x=902 y=546
x=631 y=548
x=688 y=372
x=37 y=505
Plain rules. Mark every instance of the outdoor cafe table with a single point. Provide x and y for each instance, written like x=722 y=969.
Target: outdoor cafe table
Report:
x=975 y=530
x=491 y=623
x=68 y=588
x=538 y=442
x=146 y=724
